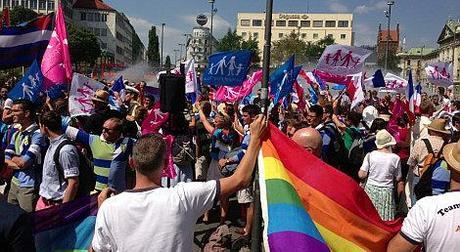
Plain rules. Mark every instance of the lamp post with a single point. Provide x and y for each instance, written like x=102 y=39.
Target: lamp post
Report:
x=211 y=26
x=162 y=37
x=175 y=57
x=388 y=15
x=180 y=54
x=186 y=35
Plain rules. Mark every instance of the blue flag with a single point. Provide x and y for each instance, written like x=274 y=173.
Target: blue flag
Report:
x=285 y=86
x=118 y=86
x=313 y=96
x=378 y=80
x=277 y=76
x=320 y=82
x=227 y=68
x=339 y=87
x=30 y=86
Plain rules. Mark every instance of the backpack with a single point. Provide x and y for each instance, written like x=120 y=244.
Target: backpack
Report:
x=336 y=152
x=86 y=177
x=220 y=240
x=183 y=151
x=424 y=187
x=356 y=154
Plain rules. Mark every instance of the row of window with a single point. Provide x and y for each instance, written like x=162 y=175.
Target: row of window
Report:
x=98 y=31
x=255 y=35
x=297 y=23
x=30 y=4
x=90 y=16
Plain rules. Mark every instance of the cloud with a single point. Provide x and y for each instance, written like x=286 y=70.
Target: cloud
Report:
x=375 y=6
x=220 y=26
x=335 y=6
x=364 y=34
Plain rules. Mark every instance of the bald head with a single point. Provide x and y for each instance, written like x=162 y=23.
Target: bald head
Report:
x=310 y=139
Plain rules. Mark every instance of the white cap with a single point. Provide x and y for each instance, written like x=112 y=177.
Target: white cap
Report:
x=8 y=104
x=131 y=89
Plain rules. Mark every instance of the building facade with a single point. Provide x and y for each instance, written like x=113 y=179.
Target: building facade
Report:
x=416 y=59
x=384 y=36
x=449 y=47
x=198 y=46
x=310 y=27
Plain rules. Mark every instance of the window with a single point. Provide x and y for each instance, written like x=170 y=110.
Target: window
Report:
x=244 y=34
x=119 y=50
x=343 y=36
x=6 y=3
x=82 y=16
x=97 y=31
x=103 y=32
x=256 y=22
x=330 y=36
x=25 y=3
x=305 y=23
x=293 y=23
x=41 y=4
x=104 y=18
x=280 y=35
x=33 y=4
x=304 y=35
x=281 y=23
x=342 y=23
x=50 y=5
x=315 y=35
x=330 y=23
x=90 y=16
x=15 y=3
x=245 y=22
x=97 y=17
x=255 y=35
x=318 y=23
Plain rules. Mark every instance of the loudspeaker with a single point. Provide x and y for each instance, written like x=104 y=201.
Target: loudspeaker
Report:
x=172 y=93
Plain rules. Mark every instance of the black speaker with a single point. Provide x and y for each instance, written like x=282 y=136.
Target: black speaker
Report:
x=172 y=93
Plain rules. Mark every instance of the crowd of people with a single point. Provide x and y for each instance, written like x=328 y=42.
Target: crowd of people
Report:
x=401 y=160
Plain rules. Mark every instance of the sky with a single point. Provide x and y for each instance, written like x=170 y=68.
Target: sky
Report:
x=420 y=21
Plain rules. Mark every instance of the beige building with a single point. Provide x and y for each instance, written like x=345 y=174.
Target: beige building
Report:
x=449 y=46
x=416 y=59
x=311 y=27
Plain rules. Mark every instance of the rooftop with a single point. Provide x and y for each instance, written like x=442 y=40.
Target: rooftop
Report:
x=394 y=36
x=92 y=4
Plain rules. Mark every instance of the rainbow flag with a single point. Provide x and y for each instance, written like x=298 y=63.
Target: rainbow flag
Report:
x=310 y=206
x=66 y=227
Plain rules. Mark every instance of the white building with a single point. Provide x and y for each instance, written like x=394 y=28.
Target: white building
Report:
x=449 y=46
x=198 y=46
x=311 y=27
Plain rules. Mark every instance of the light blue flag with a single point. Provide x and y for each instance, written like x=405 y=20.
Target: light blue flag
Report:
x=227 y=68
x=30 y=86
x=277 y=76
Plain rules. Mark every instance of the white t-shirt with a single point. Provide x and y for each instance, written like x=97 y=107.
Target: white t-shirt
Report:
x=435 y=221
x=382 y=168
x=159 y=219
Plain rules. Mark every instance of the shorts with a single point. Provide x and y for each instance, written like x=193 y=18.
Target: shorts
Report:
x=201 y=168
x=245 y=196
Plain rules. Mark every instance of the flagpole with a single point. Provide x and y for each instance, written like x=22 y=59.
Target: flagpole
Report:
x=256 y=233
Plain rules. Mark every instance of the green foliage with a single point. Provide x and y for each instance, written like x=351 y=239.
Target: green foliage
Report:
x=393 y=61
x=19 y=14
x=84 y=45
x=231 y=42
x=168 y=62
x=153 y=51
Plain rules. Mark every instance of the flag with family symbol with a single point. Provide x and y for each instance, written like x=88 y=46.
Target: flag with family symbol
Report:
x=343 y=60
x=227 y=68
x=30 y=86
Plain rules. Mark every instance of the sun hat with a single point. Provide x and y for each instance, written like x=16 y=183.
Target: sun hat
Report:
x=384 y=139
x=438 y=125
x=369 y=115
x=101 y=96
x=132 y=90
x=451 y=153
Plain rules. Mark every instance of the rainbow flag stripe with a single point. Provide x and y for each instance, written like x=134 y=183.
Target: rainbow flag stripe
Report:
x=310 y=206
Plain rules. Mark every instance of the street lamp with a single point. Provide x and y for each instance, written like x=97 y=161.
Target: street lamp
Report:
x=212 y=21
x=175 y=57
x=180 y=54
x=162 y=36
x=388 y=15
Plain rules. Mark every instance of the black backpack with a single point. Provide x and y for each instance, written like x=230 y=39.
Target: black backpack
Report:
x=86 y=177
x=336 y=153
x=356 y=155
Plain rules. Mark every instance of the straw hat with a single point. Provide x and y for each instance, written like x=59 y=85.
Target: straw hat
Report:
x=384 y=139
x=131 y=90
x=451 y=153
x=438 y=125
x=101 y=96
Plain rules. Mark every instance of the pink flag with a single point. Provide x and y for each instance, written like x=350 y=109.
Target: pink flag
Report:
x=56 y=65
x=333 y=78
x=233 y=94
x=168 y=170
x=343 y=60
x=154 y=120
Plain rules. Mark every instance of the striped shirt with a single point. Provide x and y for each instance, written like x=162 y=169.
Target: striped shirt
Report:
x=110 y=159
x=27 y=144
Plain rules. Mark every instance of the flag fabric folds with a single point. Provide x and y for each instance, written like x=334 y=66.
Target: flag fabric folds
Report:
x=355 y=90
x=303 y=208
x=227 y=68
x=394 y=82
x=56 y=64
x=343 y=60
x=277 y=76
x=66 y=227
x=285 y=87
x=376 y=80
x=30 y=86
x=21 y=45
x=440 y=73
x=410 y=93
x=233 y=94
x=154 y=120
x=81 y=92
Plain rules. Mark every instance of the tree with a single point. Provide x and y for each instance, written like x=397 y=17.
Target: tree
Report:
x=314 y=50
x=84 y=46
x=393 y=61
x=287 y=46
x=168 y=62
x=232 y=41
x=19 y=14
x=153 y=51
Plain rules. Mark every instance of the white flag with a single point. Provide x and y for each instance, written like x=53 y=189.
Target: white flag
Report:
x=440 y=73
x=355 y=90
x=190 y=77
x=343 y=60
x=81 y=91
x=394 y=82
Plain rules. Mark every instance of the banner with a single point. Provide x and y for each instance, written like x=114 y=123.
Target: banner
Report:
x=343 y=60
x=190 y=77
x=355 y=90
x=30 y=86
x=440 y=73
x=233 y=94
x=394 y=82
x=285 y=86
x=154 y=120
x=227 y=68
x=81 y=91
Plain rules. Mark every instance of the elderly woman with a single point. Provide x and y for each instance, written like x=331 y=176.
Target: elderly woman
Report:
x=382 y=168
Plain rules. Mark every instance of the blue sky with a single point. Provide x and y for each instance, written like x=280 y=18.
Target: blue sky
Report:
x=420 y=21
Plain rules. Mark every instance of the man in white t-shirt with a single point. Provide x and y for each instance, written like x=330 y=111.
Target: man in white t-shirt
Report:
x=435 y=220
x=152 y=218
